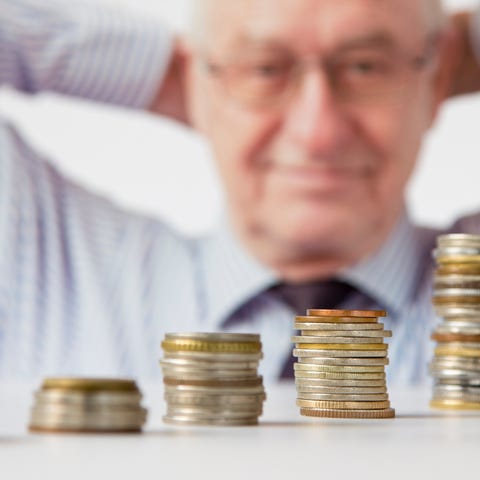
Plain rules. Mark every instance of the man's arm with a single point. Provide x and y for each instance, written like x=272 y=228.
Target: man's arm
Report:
x=78 y=48
x=467 y=75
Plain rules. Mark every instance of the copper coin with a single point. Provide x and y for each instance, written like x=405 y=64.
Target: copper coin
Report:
x=346 y=313
x=455 y=337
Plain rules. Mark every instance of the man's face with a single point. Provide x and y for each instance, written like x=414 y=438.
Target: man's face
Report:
x=324 y=168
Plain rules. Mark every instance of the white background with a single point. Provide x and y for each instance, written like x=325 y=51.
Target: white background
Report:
x=152 y=165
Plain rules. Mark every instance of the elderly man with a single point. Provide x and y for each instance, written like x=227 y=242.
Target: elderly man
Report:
x=315 y=110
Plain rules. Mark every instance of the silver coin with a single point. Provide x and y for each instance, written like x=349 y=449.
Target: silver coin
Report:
x=456 y=292
x=449 y=251
x=456 y=311
x=309 y=367
x=343 y=361
x=307 y=353
x=339 y=383
x=91 y=425
x=458 y=239
x=199 y=413
x=439 y=388
x=463 y=397
x=197 y=374
x=464 y=328
x=339 y=376
x=215 y=390
x=458 y=381
x=452 y=361
x=314 y=339
x=454 y=278
x=218 y=357
x=214 y=337
x=342 y=390
x=367 y=334
x=338 y=326
x=214 y=400
x=219 y=422
x=88 y=399
x=451 y=373
x=343 y=398
x=208 y=364
x=82 y=410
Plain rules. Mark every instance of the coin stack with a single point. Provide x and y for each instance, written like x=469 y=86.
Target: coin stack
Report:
x=340 y=372
x=212 y=378
x=456 y=298
x=87 y=405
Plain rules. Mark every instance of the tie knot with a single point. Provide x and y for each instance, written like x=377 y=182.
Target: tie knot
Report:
x=318 y=294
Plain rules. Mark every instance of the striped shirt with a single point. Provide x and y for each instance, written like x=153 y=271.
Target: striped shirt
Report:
x=86 y=288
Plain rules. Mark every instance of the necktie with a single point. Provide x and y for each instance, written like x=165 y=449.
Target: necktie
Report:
x=320 y=294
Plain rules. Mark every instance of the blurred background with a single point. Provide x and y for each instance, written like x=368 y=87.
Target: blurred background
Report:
x=154 y=166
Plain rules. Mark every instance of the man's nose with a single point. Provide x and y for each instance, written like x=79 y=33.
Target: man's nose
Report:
x=314 y=120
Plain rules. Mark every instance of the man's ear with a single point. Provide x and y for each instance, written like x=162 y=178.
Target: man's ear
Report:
x=194 y=88
x=448 y=62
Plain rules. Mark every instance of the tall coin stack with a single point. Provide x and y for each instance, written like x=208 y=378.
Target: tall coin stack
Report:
x=212 y=378
x=340 y=372
x=91 y=405
x=456 y=298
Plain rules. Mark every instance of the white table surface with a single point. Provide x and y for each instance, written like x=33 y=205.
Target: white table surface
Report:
x=418 y=443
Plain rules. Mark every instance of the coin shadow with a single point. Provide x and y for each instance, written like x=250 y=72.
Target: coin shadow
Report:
x=437 y=415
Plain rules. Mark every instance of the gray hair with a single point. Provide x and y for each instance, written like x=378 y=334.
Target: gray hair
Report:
x=435 y=15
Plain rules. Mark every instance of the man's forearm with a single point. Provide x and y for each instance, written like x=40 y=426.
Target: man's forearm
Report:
x=82 y=48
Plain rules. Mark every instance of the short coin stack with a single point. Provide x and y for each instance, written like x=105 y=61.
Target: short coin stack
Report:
x=456 y=298
x=91 y=405
x=212 y=378
x=340 y=372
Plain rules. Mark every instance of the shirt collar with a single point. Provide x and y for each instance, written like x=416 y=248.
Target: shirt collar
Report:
x=233 y=276
x=390 y=276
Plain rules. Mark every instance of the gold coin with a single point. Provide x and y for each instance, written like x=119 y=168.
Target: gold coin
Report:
x=446 y=259
x=454 y=405
x=309 y=367
x=459 y=268
x=471 y=300
x=331 y=413
x=346 y=313
x=211 y=347
x=342 y=346
x=457 y=351
x=343 y=405
x=214 y=383
x=89 y=384
x=339 y=376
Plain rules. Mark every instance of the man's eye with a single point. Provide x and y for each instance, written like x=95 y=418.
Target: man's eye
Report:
x=366 y=67
x=267 y=70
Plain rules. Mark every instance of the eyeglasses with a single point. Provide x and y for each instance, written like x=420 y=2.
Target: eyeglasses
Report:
x=363 y=75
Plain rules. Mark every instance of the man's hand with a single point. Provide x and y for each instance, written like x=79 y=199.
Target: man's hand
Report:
x=466 y=78
x=170 y=99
